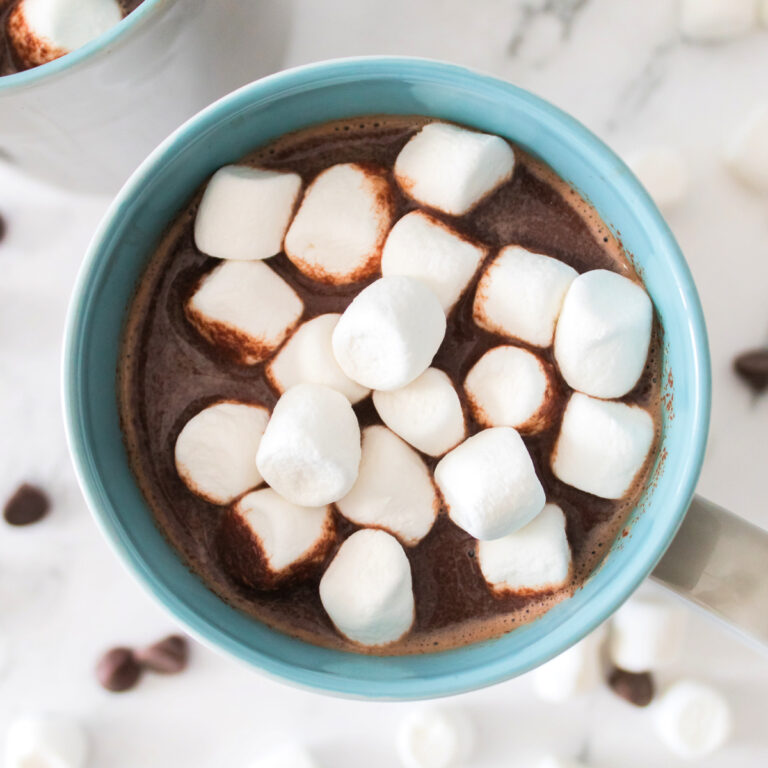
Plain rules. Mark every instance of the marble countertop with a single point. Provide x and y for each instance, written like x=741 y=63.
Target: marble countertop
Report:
x=621 y=68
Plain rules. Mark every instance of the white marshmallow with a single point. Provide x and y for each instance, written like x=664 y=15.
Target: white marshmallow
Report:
x=646 y=634
x=245 y=307
x=603 y=334
x=47 y=741
x=489 y=484
x=245 y=211
x=692 y=719
x=310 y=451
x=339 y=230
x=537 y=557
x=389 y=334
x=510 y=387
x=602 y=445
x=216 y=450
x=520 y=295
x=423 y=247
x=451 y=168
x=287 y=756
x=426 y=413
x=711 y=21
x=663 y=173
x=43 y=30
x=307 y=357
x=435 y=737
x=367 y=589
x=747 y=151
x=394 y=489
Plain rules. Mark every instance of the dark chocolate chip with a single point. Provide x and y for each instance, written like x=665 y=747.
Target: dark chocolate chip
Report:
x=27 y=505
x=635 y=687
x=3 y=228
x=167 y=656
x=118 y=670
x=752 y=366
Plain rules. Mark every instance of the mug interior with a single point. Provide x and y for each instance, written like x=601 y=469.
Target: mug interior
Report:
x=263 y=111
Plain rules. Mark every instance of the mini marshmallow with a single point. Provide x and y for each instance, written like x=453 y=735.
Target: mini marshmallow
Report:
x=307 y=357
x=534 y=558
x=603 y=334
x=339 y=230
x=53 y=741
x=426 y=413
x=287 y=756
x=747 y=151
x=520 y=295
x=423 y=247
x=310 y=450
x=489 y=484
x=216 y=450
x=712 y=21
x=510 y=387
x=42 y=30
x=663 y=173
x=246 y=308
x=389 y=334
x=367 y=589
x=646 y=634
x=245 y=212
x=692 y=719
x=394 y=489
x=602 y=446
x=435 y=737
x=452 y=169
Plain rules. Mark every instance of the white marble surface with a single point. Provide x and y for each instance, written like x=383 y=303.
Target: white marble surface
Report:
x=620 y=68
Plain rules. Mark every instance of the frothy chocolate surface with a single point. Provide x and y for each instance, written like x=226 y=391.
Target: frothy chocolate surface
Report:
x=168 y=373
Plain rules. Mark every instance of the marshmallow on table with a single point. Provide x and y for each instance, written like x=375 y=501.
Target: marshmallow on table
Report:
x=426 y=413
x=520 y=294
x=42 y=30
x=246 y=308
x=662 y=172
x=603 y=334
x=747 y=151
x=389 y=334
x=534 y=558
x=692 y=719
x=245 y=211
x=310 y=450
x=287 y=756
x=423 y=247
x=307 y=357
x=646 y=633
x=340 y=227
x=451 y=168
x=510 y=387
x=394 y=488
x=489 y=484
x=216 y=450
x=435 y=737
x=367 y=590
x=711 y=21
x=47 y=741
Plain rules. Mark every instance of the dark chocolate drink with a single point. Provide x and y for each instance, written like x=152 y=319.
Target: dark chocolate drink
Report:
x=169 y=372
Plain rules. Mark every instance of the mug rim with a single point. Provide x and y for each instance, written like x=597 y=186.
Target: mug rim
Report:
x=487 y=673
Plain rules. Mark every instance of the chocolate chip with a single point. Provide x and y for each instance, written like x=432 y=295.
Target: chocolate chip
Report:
x=635 y=687
x=3 y=228
x=167 y=656
x=27 y=505
x=752 y=366
x=118 y=670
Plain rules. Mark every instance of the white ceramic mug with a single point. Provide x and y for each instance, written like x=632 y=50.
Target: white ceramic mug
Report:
x=86 y=120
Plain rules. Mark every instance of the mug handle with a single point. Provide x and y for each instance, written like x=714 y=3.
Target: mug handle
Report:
x=719 y=562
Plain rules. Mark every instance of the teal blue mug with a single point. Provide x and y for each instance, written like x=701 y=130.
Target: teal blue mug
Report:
x=286 y=102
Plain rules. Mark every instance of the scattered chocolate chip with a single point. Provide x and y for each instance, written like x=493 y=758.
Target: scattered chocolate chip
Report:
x=635 y=687
x=118 y=670
x=3 y=228
x=167 y=656
x=27 y=505
x=752 y=366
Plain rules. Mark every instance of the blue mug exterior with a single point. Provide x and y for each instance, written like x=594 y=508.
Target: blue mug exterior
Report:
x=285 y=102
